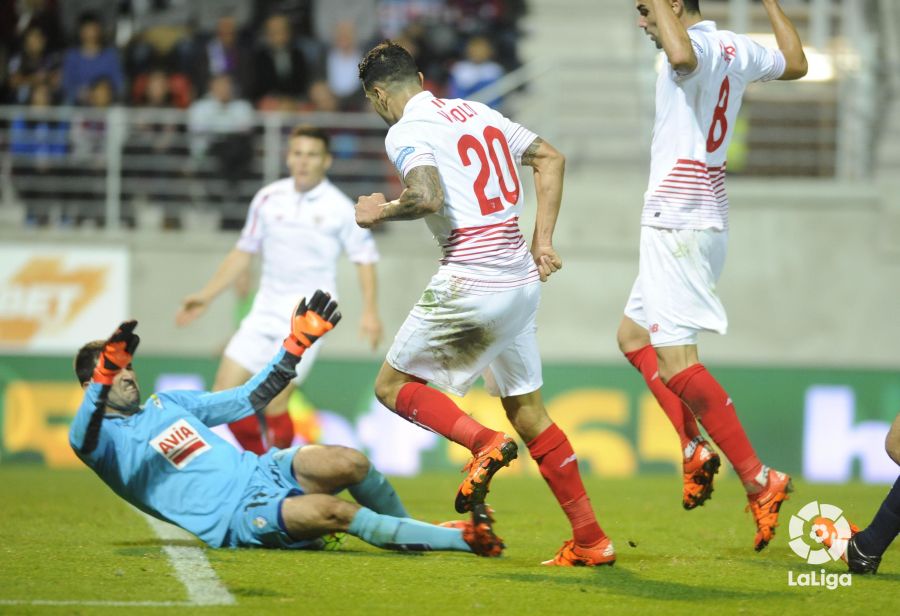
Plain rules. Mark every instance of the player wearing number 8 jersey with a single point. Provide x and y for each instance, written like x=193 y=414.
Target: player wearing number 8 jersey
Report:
x=458 y=161
x=684 y=236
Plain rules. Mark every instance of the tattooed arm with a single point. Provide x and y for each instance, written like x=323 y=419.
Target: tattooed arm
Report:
x=423 y=195
x=549 y=167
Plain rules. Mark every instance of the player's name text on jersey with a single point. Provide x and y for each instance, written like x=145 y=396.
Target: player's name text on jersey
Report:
x=459 y=113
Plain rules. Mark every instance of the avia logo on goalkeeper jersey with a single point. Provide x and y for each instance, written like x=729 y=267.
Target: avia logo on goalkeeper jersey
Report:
x=179 y=444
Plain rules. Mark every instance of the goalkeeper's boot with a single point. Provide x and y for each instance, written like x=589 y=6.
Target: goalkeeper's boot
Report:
x=699 y=471
x=853 y=556
x=479 y=532
x=574 y=555
x=495 y=455
x=766 y=504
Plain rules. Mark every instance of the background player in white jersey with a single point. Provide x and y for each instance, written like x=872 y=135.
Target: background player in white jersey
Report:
x=301 y=225
x=457 y=160
x=684 y=236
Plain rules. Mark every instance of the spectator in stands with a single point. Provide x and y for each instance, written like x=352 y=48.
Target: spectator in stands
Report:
x=297 y=12
x=19 y=16
x=158 y=88
x=342 y=66
x=89 y=62
x=33 y=65
x=221 y=126
x=157 y=135
x=154 y=136
x=495 y=19
x=395 y=16
x=160 y=45
x=37 y=145
x=40 y=139
x=222 y=54
x=344 y=143
x=5 y=90
x=478 y=70
x=207 y=13
x=279 y=68
x=89 y=128
x=327 y=16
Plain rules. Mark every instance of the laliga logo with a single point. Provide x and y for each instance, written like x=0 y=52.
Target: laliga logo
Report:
x=827 y=522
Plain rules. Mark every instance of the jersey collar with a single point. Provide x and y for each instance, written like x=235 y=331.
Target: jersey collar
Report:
x=415 y=100
x=315 y=192
x=706 y=25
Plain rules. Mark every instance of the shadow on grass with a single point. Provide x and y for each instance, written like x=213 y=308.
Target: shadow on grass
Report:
x=624 y=582
x=786 y=561
x=241 y=591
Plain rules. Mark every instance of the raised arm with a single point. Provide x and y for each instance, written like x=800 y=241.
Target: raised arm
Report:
x=423 y=195
x=788 y=42
x=236 y=263
x=674 y=38
x=549 y=168
x=310 y=321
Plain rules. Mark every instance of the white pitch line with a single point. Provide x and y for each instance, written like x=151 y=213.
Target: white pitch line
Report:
x=191 y=567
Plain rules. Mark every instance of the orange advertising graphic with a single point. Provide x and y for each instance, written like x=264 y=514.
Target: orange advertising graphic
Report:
x=42 y=293
x=48 y=297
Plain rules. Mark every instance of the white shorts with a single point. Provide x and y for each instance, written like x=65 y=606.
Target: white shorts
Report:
x=449 y=339
x=255 y=344
x=674 y=296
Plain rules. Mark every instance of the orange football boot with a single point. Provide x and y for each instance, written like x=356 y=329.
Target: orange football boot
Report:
x=495 y=455
x=766 y=504
x=479 y=532
x=699 y=471
x=572 y=555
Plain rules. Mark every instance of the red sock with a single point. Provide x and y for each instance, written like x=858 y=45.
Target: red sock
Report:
x=644 y=359
x=431 y=409
x=559 y=468
x=281 y=430
x=247 y=433
x=714 y=409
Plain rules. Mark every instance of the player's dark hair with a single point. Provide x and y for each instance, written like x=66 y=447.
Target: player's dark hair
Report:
x=691 y=6
x=86 y=360
x=387 y=64
x=313 y=132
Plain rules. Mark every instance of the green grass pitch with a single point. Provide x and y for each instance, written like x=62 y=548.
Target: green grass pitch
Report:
x=66 y=538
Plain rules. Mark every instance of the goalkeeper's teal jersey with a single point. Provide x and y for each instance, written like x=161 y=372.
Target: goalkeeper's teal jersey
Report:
x=166 y=461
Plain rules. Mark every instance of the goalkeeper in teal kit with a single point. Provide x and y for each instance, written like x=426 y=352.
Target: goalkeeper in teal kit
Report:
x=163 y=458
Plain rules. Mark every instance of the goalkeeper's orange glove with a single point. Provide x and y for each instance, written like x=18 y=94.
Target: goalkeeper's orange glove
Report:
x=116 y=353
x=311 y=321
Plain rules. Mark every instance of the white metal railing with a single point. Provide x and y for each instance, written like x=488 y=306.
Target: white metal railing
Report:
x=68 y=165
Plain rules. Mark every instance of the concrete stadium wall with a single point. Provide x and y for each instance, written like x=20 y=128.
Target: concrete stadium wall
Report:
x=812 y=276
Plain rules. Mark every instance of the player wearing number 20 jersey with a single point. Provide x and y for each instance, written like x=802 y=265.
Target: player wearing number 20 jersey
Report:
x=684 y=236
x=477 y=151
x=458 y=162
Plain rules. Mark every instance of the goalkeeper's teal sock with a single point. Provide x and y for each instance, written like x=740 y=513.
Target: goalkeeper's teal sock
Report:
x=376 y=493
x=405 y=534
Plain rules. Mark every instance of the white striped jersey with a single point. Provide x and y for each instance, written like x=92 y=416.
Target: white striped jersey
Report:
x=695 y=116
x=476 y=151
x=301 y=237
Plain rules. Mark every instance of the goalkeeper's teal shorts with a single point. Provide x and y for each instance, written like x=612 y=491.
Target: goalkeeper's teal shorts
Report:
x=257 y=522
